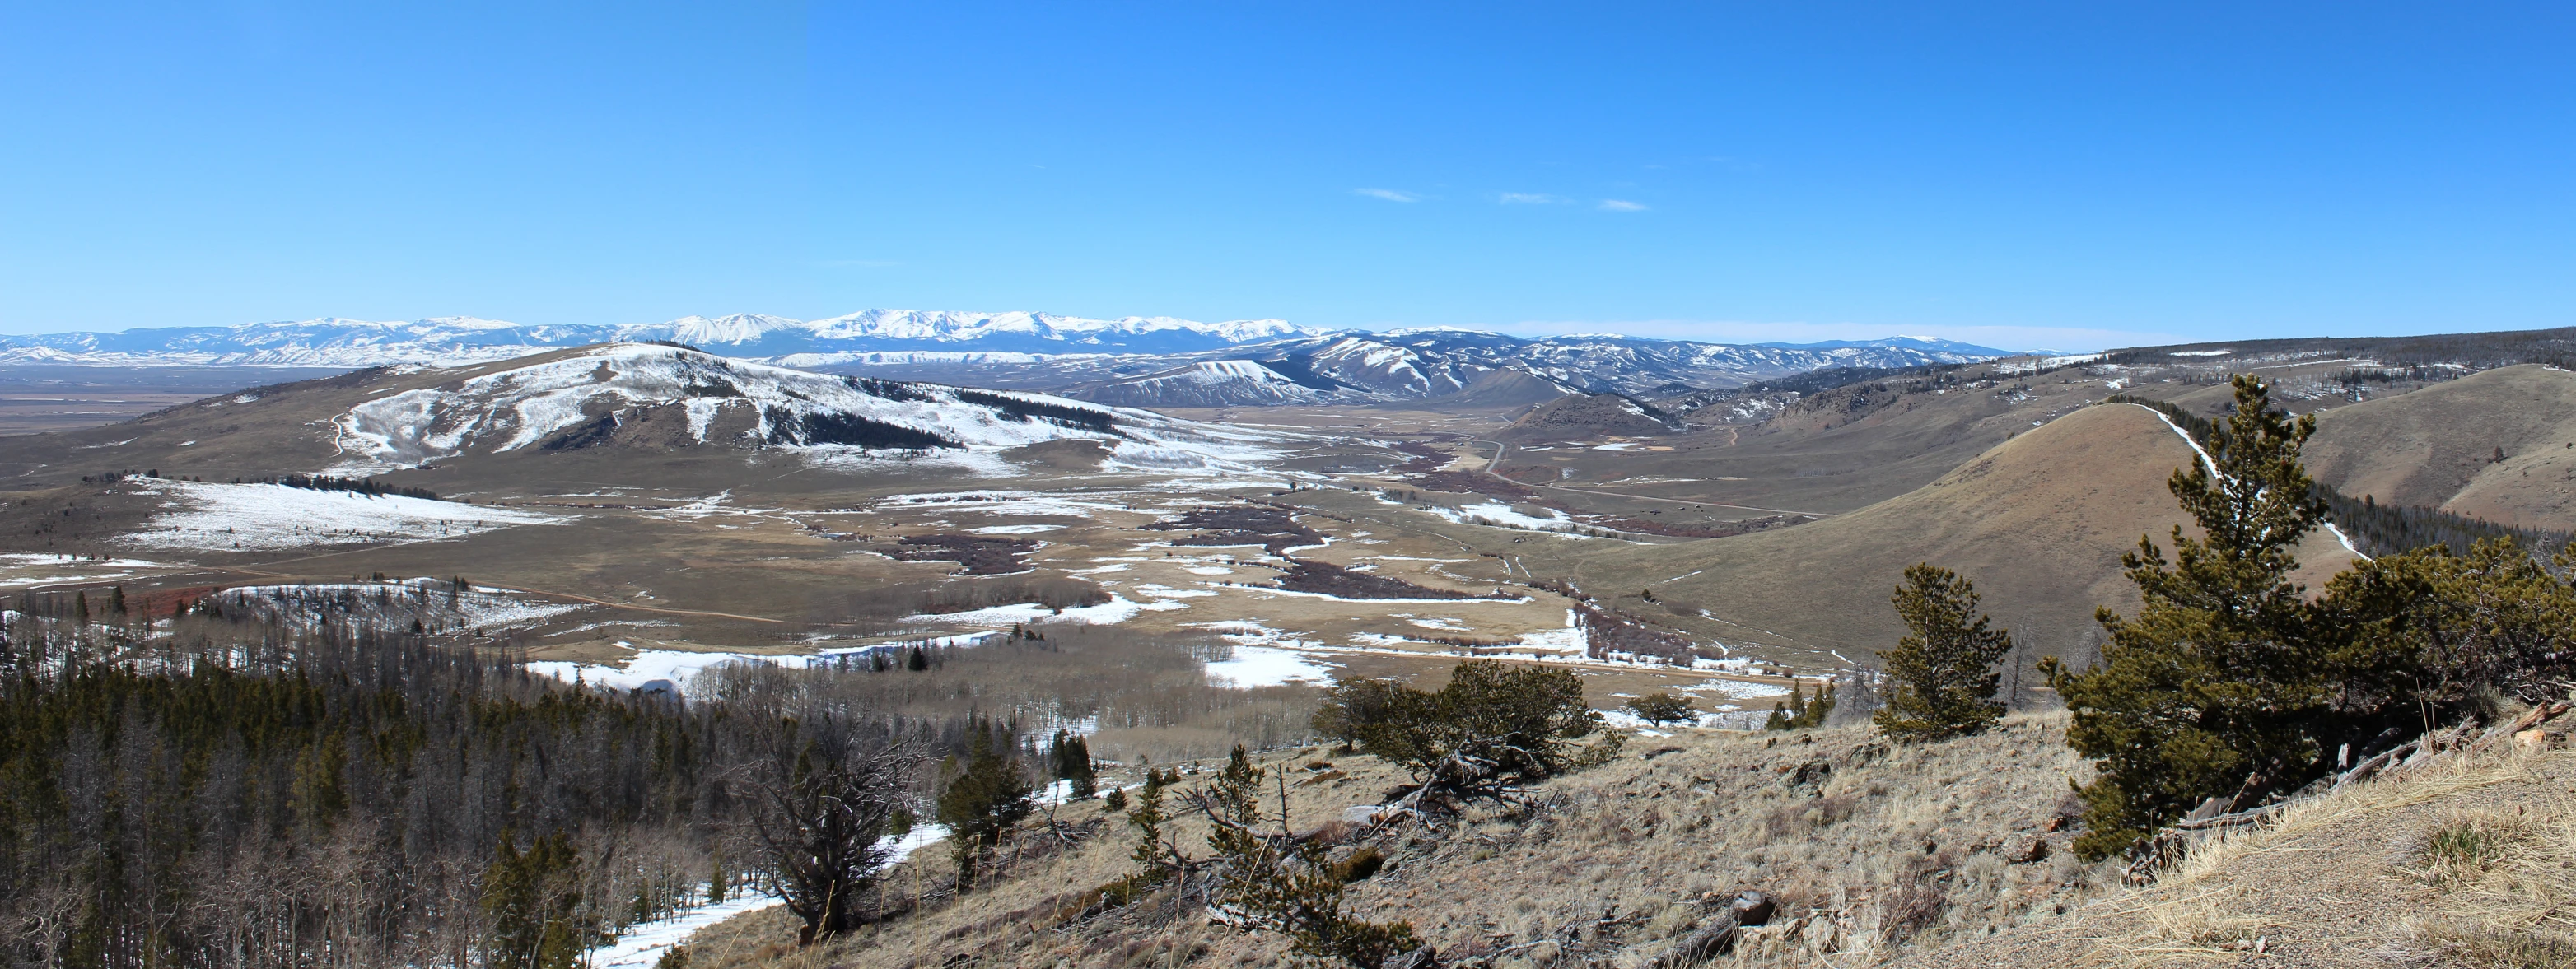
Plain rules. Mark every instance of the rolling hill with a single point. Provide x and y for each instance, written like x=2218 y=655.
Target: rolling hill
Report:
x=2498 y=445
x=1506 y=387
x=2037 y=522
x=1588 y=416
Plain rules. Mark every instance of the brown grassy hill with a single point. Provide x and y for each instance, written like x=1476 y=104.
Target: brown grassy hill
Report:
x=2037 y=522
x=1574 y=417
x=2439 y=447
x=1504 y=388
x=1851 y=446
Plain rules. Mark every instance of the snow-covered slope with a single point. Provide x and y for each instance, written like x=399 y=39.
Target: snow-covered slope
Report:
x=454 y=340
x=225 y=517
x=655 y=396
x=1210 y=383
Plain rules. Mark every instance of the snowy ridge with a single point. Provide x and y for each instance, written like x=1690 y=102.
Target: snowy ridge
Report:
x=1208 y=383
x=456 y=340
x=661 y=396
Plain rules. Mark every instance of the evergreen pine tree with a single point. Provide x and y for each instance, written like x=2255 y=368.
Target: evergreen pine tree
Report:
x=1147 y=818
x=534 y=898
x=981 y=803
x=1273 y=880
x=1941 y=676
x=2219 y=687
x=1072 y=761
x=1819 y=708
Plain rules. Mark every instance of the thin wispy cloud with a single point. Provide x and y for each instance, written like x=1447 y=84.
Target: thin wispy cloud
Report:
x=1619 y=205
x=1528 y=198
x=1388 y=194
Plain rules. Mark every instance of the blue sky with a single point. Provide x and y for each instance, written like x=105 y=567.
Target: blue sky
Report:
x=2063 y=175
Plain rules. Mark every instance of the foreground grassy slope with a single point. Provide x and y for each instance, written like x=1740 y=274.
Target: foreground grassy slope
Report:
x=2469 y=860
x=2038 y=523
x=2438 y=447
x=1870 y=850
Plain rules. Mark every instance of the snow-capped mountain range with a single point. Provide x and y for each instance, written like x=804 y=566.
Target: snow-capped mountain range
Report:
x=1417 y=364
x=453 y=340
x=1140 y=361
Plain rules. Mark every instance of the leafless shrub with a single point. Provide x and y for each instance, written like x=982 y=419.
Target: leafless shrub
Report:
x=1909 y=908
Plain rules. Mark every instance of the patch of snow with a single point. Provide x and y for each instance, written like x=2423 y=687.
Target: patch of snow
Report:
x=1498 y=513
x=1255 y=666
x=1117 y=610
x=223 y=517
x=644 y=945
x=672 y=666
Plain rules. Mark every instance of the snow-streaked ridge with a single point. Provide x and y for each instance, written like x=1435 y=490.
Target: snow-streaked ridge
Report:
x=572 y=399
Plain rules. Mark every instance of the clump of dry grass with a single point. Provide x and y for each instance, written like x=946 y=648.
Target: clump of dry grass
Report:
x=2468 y=844
x=2488 y=948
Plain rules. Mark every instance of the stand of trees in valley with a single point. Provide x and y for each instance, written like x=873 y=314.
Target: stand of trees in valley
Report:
x=222 y=788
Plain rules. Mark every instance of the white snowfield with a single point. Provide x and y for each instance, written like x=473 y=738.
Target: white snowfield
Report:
x=1257 y=666
x=517 y=408
x=223 y=517
x=19 y=569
